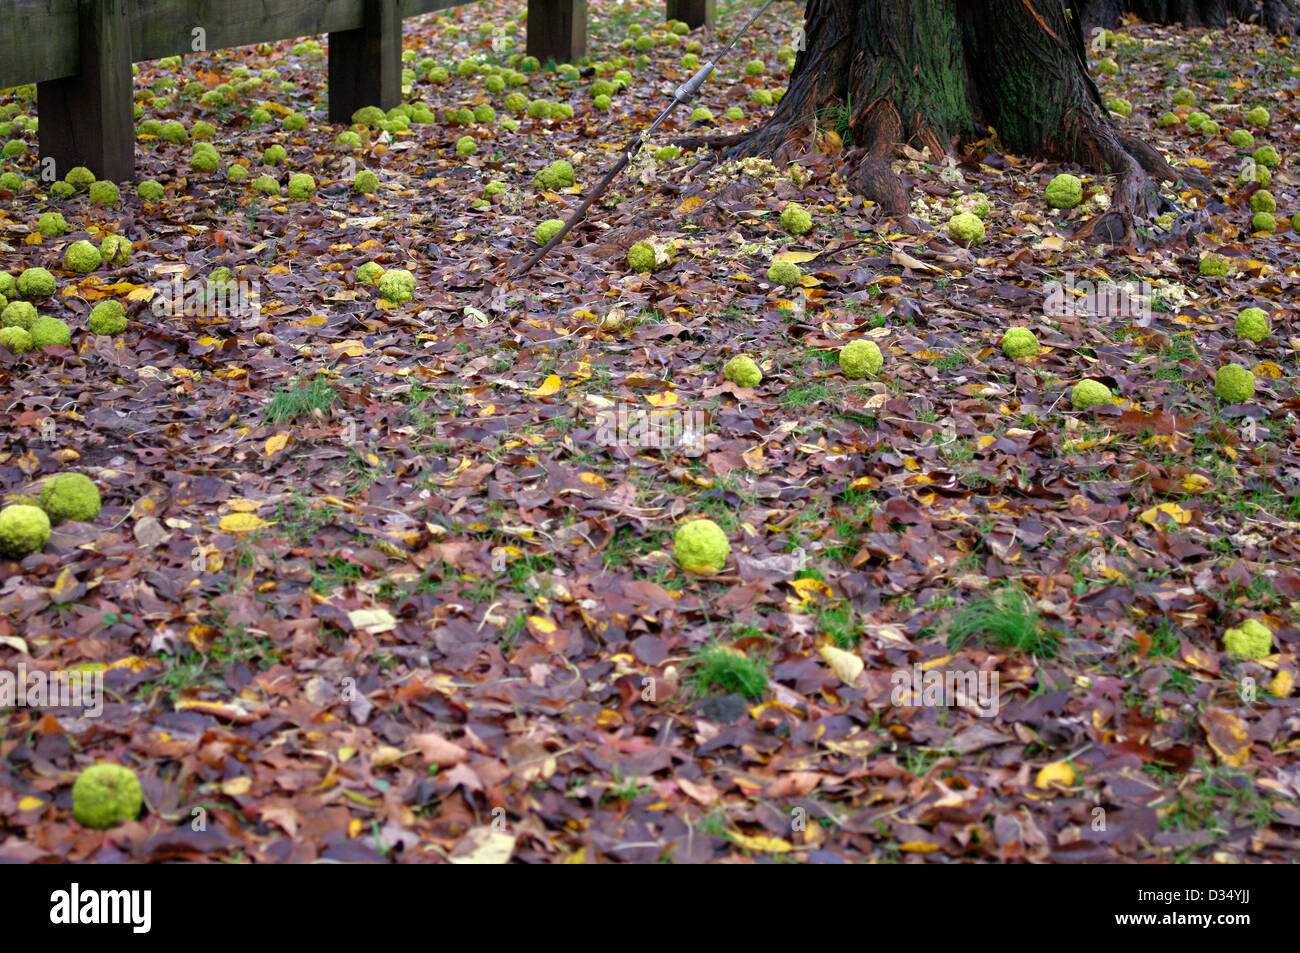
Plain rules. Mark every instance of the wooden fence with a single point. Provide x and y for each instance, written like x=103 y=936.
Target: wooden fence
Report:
x=79 y=53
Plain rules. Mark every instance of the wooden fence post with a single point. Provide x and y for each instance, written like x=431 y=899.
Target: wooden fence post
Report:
x=557 y=29
x=88 y=119
x=366 y=64
x=694 y=13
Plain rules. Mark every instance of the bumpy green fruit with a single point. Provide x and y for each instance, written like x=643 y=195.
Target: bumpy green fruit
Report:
x=365 y=182
x=368 y=273
x=1089 y=393
x=1258 y=117
x=860 y=358
x=966 y=227
x=701 y=114
x=1121 y=107
x=1263 y=201
x=70 y=496
x=1214 y=266
x=81 y=257
x=23 y=530
x=796 y=220
x=107 y=317
x=1263 y=222
x=1252 y=639
x=35 y=284
x=1107 y=67
x=785 y=273
x=398 y=285
x=105 y=193
x=149 y=190
x=1184 y=97
x=1234 y=384
x=1267 y=155
x=1019 y=342
x=641 y=258
x=204 y=160
x=1194 y=120
x=1168 y=119
x=17 y=340
x=558 y=175
x=701 y=546
x=51 y=224
x=18 y=314
x=547 y=230
x=80 y=178
x=301 y=187
x=742 y=370
x=50 y=332
x=1064 y=191
x=1242 y=139
x=115 y=250
x=1253 y=324
x=466 y=146
x=106 y=795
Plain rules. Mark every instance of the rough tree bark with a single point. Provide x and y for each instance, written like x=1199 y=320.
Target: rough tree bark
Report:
x=932 y=71
x=1280 y=16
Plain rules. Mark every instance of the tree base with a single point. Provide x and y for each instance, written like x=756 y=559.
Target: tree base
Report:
x=930 y=72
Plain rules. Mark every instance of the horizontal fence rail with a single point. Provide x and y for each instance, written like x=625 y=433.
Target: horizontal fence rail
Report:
x=79 y=53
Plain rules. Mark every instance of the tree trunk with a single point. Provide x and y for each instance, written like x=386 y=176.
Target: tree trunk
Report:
x=929 y=71
x=1281 y=16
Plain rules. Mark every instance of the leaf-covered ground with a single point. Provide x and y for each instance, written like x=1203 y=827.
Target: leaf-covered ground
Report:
x=373 y=581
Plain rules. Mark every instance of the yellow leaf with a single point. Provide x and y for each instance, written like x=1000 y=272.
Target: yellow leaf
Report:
x=242 y=504
x=1282 y=684
x=373 y=621
x=242 y=522
x=689 y=205
x=918 y=847
x=846 y=665
x=1227 y=736
x=1197 y=483
x=663 y=399
x=385 y=755
x=595 y=479
x=237 y=786
x=798 y=257
x=483 y=845
x=809 y=589
x=349 y=349
x=277 y=443
x=762 y=844
x=30 y=803
x=542 y=624
x=551 y=385
x=1180 y=516
x=63 y=585
x=1268 y=369
x=1050 y=775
